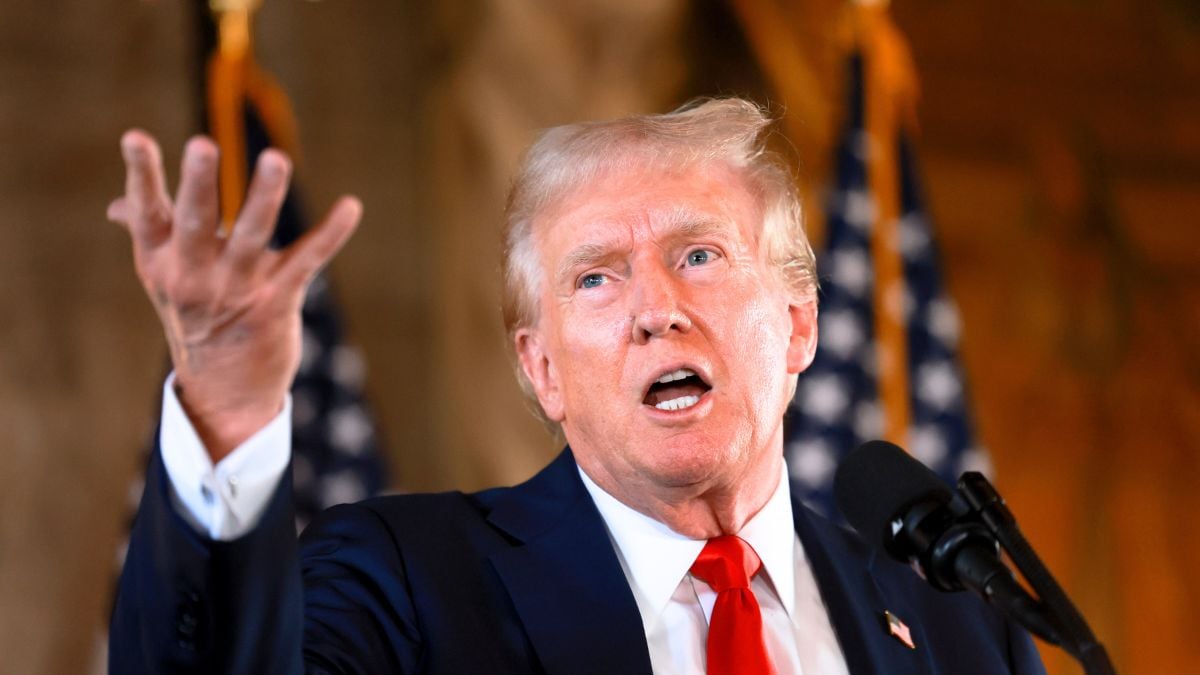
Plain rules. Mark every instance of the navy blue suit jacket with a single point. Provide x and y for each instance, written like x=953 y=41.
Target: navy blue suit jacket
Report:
x=509 y=580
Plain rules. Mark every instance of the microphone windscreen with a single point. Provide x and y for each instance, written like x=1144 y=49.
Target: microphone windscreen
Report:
x=877 y=482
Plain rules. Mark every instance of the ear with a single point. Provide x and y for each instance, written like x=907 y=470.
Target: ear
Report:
x=802 y=346
x=535 y=363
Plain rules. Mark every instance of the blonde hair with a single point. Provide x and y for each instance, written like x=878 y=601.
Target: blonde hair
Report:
x=731 y=131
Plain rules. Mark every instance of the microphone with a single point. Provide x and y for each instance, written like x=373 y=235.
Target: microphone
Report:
x=896 y=502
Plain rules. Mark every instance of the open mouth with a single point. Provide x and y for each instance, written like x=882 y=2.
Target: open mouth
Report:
x=676 y=390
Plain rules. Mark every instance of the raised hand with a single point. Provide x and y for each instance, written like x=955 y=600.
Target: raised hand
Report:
x=230 y=307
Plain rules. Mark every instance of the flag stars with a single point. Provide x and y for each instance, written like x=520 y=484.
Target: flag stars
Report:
x=811 y=461
x=914 y=236
x=868 y=419
x=928 y=444
x=348 y=367
x=343 y=487
x=842 y=333
x=850 y=270
x=942 y=321
x=976 y=458
x=859 y=209
x=938 y=385
x=825 y=397
x=349 y=430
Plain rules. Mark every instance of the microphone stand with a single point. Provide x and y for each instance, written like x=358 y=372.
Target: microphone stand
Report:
x=1053 y=605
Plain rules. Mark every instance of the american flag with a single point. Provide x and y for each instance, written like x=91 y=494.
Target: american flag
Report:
x=837 y=403
x=336 y=453
x=899 y=630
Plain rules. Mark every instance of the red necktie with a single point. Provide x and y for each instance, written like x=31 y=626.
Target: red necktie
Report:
x=735 y=633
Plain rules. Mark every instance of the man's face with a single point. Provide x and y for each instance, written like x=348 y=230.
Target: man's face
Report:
x=665 y=345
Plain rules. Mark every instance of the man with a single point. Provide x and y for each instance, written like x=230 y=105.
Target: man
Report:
x=660 y=296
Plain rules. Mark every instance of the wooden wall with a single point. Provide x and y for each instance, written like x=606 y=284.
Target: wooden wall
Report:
x=79 y=349
x=1062 y=153
x=1062 y=159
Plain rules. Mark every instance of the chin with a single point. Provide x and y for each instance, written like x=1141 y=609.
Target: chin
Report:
x=675 y=464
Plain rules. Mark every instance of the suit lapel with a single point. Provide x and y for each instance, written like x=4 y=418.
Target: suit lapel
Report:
x=564 y=577
x=567 y=585
x=856 y=602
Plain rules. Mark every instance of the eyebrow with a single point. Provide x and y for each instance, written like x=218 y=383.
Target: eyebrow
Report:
x=684 y=224
x=680 y=223
x=584 y=255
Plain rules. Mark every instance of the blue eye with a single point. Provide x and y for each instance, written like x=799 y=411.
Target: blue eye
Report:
x=591 y=280
x=699 y=257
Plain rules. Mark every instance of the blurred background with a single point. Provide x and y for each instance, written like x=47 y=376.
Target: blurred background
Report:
x=1059 y=144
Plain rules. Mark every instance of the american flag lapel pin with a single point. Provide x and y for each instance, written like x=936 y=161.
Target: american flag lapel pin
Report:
x=898 y=630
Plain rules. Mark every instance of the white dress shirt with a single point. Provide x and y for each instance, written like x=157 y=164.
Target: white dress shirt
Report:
x=227 y=500
x=676 y=606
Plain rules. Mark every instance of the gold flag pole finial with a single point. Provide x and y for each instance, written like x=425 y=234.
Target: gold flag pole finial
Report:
x=233 y=24
x=234 y=82
x=227 y=71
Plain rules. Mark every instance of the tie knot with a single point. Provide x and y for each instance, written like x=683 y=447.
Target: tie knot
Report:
x=726 y=562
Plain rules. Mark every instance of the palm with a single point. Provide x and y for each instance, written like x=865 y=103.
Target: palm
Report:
x=230 y=307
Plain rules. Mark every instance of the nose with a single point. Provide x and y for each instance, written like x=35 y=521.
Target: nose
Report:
x=657 y=311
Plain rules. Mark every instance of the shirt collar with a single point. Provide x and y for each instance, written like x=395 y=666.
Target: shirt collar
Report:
x=772 y=535
x=655 y=558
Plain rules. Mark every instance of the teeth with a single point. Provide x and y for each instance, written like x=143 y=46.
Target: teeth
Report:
x=678 y=403
x=677 y=375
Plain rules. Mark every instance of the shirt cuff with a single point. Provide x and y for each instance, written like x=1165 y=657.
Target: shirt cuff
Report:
x=227 y=500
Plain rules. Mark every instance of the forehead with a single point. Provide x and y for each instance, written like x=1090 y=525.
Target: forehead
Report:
x=623 y=206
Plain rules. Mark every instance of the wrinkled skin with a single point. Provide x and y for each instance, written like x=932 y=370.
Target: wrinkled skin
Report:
x=643 y=273
x=230 y=307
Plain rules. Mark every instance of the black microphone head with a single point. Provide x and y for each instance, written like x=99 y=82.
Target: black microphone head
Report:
x=877 y=483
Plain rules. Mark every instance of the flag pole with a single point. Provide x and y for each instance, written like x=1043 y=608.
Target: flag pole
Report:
x=890 y=85
x=225 y=95
x=336 y=447
x=232 y=79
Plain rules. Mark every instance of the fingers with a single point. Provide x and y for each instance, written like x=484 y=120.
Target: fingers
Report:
x=301 y=261
x=196 y=207
x=147 y=208
x=256 y=222
x=147 y=211
x=118 y=211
